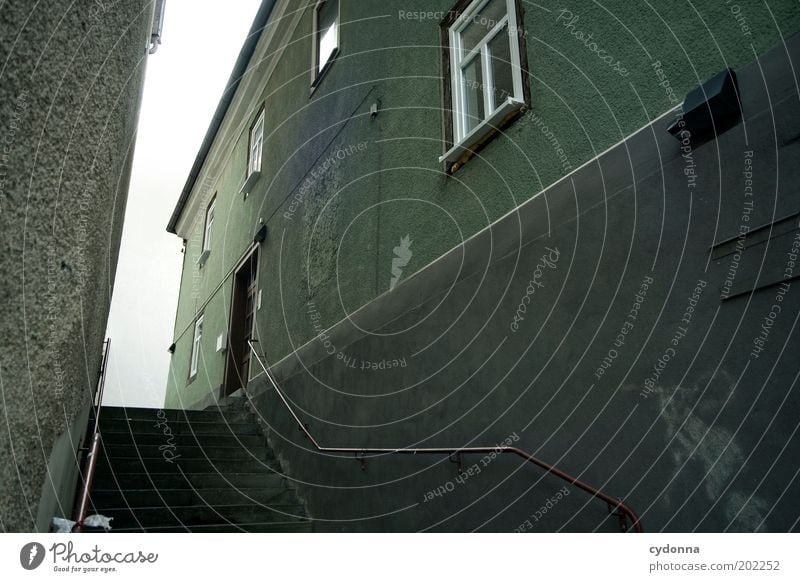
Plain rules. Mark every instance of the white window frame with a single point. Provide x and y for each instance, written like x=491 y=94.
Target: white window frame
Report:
x=256 y=148
x=319 y=67
x=494 y=112
x=196 y=339
x=208 y=231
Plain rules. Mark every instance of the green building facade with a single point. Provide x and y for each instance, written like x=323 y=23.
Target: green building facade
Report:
x=469 y=222
x=341 y=185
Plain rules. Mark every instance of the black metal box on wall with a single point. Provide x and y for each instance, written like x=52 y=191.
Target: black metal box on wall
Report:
x=710 y=109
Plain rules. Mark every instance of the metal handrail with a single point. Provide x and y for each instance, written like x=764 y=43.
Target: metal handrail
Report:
x=97 y=401
x=613 y=502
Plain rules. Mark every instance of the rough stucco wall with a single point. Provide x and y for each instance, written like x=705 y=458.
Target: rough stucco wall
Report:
x=353 y=216
x=70 y=84
x=688 y=419
x=694 y=453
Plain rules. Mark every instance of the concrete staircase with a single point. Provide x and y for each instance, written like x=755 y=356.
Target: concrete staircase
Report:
x=191 y=471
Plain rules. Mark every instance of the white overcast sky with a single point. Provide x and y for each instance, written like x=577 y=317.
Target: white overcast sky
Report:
x=183 y=84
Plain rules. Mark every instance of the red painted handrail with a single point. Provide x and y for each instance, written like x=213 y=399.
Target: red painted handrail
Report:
x=613 y=502
x=94 y=449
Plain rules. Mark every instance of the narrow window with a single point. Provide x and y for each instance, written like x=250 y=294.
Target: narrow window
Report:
x=485 y=59
x=209 y=230
x=256 y=145
x=326 y=35
x=198 y=335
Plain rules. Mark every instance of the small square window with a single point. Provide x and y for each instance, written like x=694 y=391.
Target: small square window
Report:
x=485 y=58
x=256 y=145
x=198 y=336
x=326 y=36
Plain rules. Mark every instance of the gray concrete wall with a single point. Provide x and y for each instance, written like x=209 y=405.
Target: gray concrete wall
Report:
x=70 y=86
x=650 y=357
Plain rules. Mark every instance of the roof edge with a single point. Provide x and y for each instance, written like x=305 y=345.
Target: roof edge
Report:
x=239 y=69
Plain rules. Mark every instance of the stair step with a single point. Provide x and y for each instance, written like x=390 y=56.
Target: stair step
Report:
x=182 y=497
x=147 y=517
x=233 y=410
x=195 y=451
x=164 y=481
x=162 y=465
x=140 y=427
x=231 y=413
x=249 y=527
x=181 y=440
x=196 y=471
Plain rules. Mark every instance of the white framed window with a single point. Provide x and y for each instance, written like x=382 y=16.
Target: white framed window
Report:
x=256 y=145
x=198 y=336
x=209 y=228
x=326 y=36
x=486 y=82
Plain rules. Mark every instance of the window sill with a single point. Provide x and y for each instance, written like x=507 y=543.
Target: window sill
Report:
x=250 y=183
x=488 y=127
x=320 y=75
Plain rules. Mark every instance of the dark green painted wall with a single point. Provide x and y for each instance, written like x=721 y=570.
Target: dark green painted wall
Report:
x=335 y=246
x=685 y=406
x=698 y=450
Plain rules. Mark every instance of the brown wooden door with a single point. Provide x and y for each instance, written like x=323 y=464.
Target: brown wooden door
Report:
x=243 y=309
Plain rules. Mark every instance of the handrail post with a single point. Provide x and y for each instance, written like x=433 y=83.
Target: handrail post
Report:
x=94 y=448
